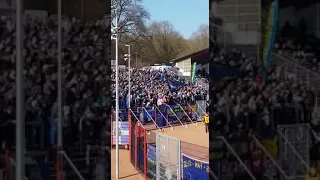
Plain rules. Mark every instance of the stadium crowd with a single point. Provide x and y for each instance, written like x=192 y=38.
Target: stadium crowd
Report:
x=259 y=98
x=85 y=76
x=85 y=72
x=299 y=46
x=151 y=87
x=256 y=100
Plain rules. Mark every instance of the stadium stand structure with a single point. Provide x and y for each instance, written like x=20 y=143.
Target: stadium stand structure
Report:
x=279 y=140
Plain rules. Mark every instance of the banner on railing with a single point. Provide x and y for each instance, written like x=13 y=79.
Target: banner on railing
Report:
x=179 y=112
x=151 y=157
x=123 y=133
x=151 y=153
x=169 y=112
x=193 y=169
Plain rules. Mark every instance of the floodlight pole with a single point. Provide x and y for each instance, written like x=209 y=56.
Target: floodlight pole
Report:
x=20 y=109
x=114 y=36
x=129 y=76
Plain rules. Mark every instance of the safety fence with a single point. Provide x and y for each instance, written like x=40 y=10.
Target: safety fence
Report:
x=283 y=156
x=231 y=164
x=165 y=115
x=159 y=156
x=157 y=117
x=290 y=69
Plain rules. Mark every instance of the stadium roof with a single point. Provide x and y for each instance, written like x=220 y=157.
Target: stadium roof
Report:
x=200 y=57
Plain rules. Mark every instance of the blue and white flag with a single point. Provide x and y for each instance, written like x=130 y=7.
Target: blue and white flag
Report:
x=173 y=85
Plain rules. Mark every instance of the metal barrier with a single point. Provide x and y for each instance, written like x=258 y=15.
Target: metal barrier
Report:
x=235 y=154
x=93 y=127
x=144 y=147
x=175 y=115
x=298 y=71
x=272 y=159
x=244 y=158
x=169 y=115
x=8 y=173
x=180 y=159
x=283 y=156
x=138 y=147
x=294 y=141
x=168 y=157
x=60 y=172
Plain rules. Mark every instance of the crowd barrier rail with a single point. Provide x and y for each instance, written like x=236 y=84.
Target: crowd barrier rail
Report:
x=285 y=155
x=142 y=147
x=158 y=117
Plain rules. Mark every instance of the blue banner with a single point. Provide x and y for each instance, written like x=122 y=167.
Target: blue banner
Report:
x=220 y=71
x=161 y=122
x=193 y=169
x=123 y=133
x=167 y=112
x=152 y=159
x=173 y=85
x=151 y=153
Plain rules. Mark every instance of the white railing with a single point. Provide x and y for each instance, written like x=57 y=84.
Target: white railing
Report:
x=293 y=63
x=185 y=113
x=272 y=159
x=237 y=156
x=156 y=110
x=215 y=177
x=13 y=163
x=299 y=72
x=176 y=116
x=132 y=113
x=74 y=168
x=287 y=142
x=155 y=123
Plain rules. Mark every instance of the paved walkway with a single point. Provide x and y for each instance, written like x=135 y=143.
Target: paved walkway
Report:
x=127 y=171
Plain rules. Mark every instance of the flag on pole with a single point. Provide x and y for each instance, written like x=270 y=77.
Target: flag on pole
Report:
x=193 y=72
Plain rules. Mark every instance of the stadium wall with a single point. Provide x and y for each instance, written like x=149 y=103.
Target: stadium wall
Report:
x=185 y=67
x=239 y=26
x=194 y=158
x=243 y=37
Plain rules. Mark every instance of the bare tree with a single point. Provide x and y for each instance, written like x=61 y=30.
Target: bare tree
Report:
x=200 y=38
x=132 y=17
x=165 y=42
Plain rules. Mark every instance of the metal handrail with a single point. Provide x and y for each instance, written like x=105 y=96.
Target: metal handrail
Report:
x=137 y=118
x=13 y=162
x=272 y=159
x=155 y=123
x=72 y=165
x=215 y=177
x=194 y=112
x=201 y=109
x=237 y=157
x=88 y=155
x=80 y=125
x=294 y=151
x=296 y=64
x=185 y=113
x=176 y=115
x=162 y=116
